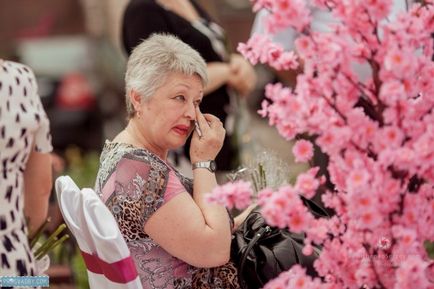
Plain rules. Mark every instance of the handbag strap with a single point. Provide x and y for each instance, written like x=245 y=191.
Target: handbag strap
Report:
x=259 y=234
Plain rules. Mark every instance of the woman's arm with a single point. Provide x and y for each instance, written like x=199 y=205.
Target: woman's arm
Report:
x=238 y=74
x=218 y=75
x=188 y=227
x=37 y=189
x=238 y=220
x=180 y=227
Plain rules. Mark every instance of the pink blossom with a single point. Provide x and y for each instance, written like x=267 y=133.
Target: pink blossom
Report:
x=299 y=279
x=261 y=4
x=369 y=219
x=378 y=9
x=307 y=183
x=298 y=221
x=392 y=91
x=384 y=243
x=376 y=129
x=334 y=138
x=405 y=237
x=365 y=275
x=389 y=137
x=357 y=179
x=294 y=13
x=411 y=274
x=308 y=250
x=237 y=194
x=302 y=150
x=281 y=281
x=399 y=62
x=264 y=195
x=264 y=106
x=260 y=49
x=275 y=212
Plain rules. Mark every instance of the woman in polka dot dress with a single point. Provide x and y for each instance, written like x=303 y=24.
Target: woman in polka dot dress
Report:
x=25 y=167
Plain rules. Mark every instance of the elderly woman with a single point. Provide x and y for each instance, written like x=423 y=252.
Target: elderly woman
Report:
x=176 y=238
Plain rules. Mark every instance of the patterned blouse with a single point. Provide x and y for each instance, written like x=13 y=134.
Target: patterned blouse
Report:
x=134 y=183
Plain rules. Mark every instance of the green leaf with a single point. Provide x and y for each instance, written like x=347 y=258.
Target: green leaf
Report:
x=429 y=247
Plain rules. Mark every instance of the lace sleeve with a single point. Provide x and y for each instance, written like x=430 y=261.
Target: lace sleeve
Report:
x=140 y=182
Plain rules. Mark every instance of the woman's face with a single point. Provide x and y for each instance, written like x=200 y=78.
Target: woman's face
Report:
x=168 y=115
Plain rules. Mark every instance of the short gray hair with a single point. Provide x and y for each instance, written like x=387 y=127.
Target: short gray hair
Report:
x=154 y=59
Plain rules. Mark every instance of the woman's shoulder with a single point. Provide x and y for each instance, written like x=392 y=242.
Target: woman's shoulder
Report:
x=15 y=65
x=113 y=152
x=16 y=68
x=118 y=156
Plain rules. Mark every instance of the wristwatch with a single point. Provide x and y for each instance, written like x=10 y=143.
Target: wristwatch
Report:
x=209 y=165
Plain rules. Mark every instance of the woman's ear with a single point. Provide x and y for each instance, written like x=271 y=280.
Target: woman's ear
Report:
x=135 y=99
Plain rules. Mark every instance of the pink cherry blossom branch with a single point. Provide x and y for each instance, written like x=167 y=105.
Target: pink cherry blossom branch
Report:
x=377 y=276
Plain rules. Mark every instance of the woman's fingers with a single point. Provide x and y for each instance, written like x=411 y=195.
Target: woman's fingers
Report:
x=200 y=118
x=211 y=119
x=207 y=144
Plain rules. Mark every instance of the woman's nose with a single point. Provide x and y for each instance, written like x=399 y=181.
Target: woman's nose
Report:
x=191 y=111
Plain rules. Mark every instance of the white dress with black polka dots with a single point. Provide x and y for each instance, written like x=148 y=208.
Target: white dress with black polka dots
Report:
x=22 y=123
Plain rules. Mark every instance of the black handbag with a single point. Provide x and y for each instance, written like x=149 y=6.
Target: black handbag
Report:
x=262 y=252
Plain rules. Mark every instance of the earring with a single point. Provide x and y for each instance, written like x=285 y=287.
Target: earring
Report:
x=139 y=114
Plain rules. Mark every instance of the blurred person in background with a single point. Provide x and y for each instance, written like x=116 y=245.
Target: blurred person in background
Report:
x=230 y=75
x=176 y=238
x=26 y=172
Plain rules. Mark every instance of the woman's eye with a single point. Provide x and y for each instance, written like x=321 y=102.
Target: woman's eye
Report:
x=180 y=97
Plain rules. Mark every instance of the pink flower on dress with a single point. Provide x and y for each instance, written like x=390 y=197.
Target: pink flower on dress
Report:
x=302 y=150
x=180 y=269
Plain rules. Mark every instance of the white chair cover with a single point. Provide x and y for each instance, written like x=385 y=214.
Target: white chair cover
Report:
x=111 y=247
x=71 y=206
x=104 y=251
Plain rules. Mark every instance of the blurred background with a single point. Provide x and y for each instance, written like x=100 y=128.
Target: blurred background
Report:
x=73 y=46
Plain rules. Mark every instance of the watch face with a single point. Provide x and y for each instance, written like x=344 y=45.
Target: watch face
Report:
x=212 y=166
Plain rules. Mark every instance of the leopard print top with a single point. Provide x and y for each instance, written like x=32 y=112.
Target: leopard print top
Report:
x=134 y=183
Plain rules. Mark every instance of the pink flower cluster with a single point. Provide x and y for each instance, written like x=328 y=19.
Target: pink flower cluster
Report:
x=302 y=150
x=284 y=13
x=377 y=130
x=260 y=49
x=237 y=194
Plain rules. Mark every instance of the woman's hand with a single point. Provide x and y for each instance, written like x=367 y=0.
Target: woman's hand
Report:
x=209 y=144
x=243 y=76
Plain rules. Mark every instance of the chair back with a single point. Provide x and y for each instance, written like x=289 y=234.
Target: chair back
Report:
x=105 y=252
